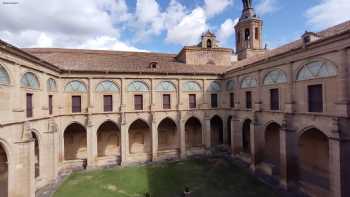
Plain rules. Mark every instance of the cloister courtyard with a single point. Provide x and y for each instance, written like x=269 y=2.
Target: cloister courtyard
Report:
x=205 y=178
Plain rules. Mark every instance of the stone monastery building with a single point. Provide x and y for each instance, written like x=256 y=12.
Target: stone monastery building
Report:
x=285 y=111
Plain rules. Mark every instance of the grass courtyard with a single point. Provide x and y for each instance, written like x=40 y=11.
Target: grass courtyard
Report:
x=205 y=178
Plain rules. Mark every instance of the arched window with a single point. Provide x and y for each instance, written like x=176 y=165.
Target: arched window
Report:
x=4 y=76
x=165 y=86
x=51 y=85
x=246 y=34
x=214 y=87
x=275 y=77
x=209 y=44
x=75 y=86
x=192 y=86
x=248 y=82
x=29 y=80
x=107 y=86
x=137 y=86
x=230 y=85
x=316 y=69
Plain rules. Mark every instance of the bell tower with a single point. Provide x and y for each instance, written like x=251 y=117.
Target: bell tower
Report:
x=248 y=33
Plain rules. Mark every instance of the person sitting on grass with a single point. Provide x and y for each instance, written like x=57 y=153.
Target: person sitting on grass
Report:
x=187 y=192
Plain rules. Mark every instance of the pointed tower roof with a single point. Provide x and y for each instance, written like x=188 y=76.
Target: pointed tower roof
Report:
x=248 y=10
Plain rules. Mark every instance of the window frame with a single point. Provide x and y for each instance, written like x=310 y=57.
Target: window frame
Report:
x=192 y=105
x=249 y=100
x=274 y=106
x=166 y=105
x=50 y=104
x=214 y=100
x=320 y=108
x=29 y=105
x=108 y=107
x=76 y=109
x=232 y=100
x=138 y=107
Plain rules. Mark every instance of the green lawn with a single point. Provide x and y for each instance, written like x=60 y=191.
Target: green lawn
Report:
x=207 y=178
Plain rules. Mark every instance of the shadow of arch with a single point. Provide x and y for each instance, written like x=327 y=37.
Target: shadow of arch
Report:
x=167 y=135
x=314 y=165
x=140 y=137
x=272 y=147
x=75 y=142
x=36 y=154
x=193 y=133
x=216 y=131
x=108 y=141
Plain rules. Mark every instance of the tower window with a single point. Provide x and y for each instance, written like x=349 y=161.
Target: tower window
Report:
x=257 y=33
x=209 y=44
x=246 y=34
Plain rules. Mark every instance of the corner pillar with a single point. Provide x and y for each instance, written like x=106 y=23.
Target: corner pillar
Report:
x=154 y=140
x=256 y=143
x=236 y=136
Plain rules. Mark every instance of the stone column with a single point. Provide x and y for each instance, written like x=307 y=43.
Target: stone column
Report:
x=154 y=139
x=236 y=136
x=48 y=169
x=288 y=157
x=124 y=144
x=91 y=144
x=123 y=94
x=256 y=143
x=335 y=168
x=207 y=132
x=258 y=102
x=181 y=124
x=290 y=90
x=343 y=100
x=204 y=99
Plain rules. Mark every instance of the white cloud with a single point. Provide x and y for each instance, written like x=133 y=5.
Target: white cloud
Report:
x=328 y=13
x=226 y=30
x=214 y=7
x=189 y=29
x=61 y=23
x=266 y=6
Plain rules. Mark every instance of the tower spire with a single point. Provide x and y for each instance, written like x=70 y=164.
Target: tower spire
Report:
x=248 y=32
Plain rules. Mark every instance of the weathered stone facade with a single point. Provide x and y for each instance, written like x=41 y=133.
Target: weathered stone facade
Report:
x=303 y=149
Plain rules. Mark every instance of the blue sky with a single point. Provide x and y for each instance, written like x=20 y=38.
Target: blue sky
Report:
x=157 y=25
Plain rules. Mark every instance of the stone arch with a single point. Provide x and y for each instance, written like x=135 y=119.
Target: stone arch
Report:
x=75 y=142
x=246 y=136
x=228 y=127
x=4 y=76
x=314 y=165
x=167 y=135
x=30 y=80
x=4 y=171
x=193 y=133
x=316 y=68
x=75 y=86
x=108 y=139
x=140 y=137
x=272 y=146
x=35 y=137
x=216 y=131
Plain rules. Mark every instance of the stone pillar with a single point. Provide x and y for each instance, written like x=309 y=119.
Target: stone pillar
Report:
x=335 y=168
x=207 y=132
x=258 y=102
x=288 y=157
x=48 y=166
x=23 y=168
x=91 y=144
x=154 y=139
x=181 y=124
x=224 y=130
x=290 y=90
x=343 y=100
x=256 y=143
x=123 y=95
x=124 y=144
x=236 y=136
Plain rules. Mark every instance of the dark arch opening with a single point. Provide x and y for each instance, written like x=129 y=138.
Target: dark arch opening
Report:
x=272 y=146
x=139 y=137
x=167 y=135
x=209 y=44
x=3 y=172
x=193 y=130
x=36 y=155
x=108 y=139
x=216 y=131
x=246 y=136
x=75 y=142
x=314 y=158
